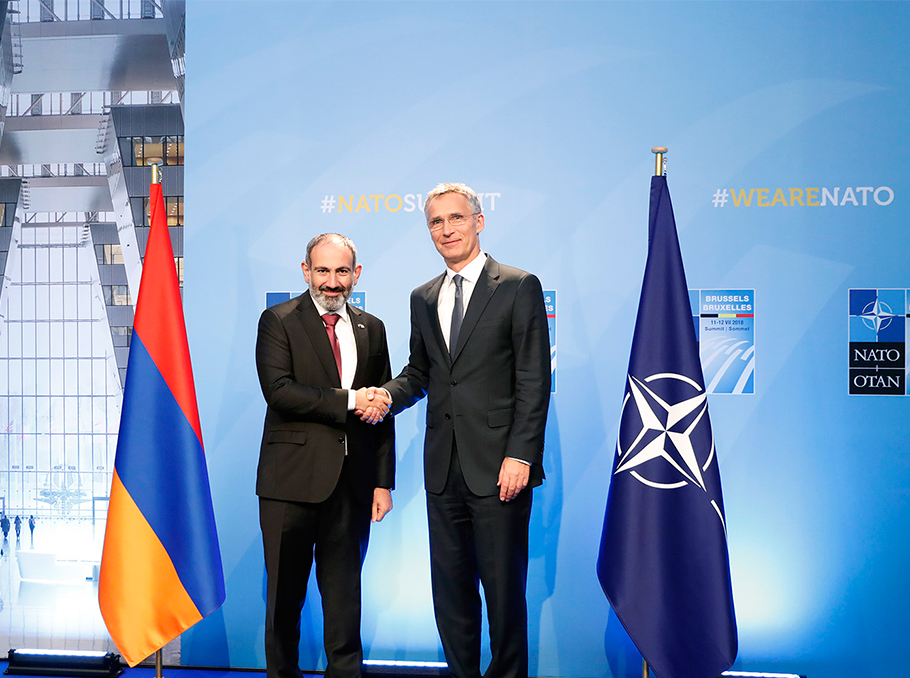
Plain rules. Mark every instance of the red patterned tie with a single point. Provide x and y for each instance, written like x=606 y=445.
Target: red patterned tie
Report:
x=330 y=319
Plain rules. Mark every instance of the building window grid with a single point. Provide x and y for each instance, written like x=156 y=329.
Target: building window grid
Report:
x=109 y=254
x=168 y=149
x=31 y=11
x=60 y=415
x=57 y=169
x=117 y=295
x=83 y=103
x=58 y=218
x=173 y=208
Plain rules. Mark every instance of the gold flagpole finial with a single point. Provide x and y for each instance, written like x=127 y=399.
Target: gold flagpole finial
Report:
x=659 y=152
x=156 y=164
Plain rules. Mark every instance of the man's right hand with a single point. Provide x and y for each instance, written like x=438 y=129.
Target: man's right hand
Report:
x=372 y=404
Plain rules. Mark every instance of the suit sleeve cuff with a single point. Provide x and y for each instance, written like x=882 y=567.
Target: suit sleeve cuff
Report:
x=520 y=461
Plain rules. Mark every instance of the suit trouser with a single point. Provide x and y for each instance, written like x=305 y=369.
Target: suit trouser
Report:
x=479 y=538
x=336 y=531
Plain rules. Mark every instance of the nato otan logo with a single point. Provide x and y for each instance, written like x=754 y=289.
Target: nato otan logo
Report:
x=878 y=341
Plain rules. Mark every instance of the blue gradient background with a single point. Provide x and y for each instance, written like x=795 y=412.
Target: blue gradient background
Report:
x=555 y=105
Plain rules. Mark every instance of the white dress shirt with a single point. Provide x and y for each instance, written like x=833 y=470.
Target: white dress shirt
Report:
x=446 y=301
x=344 y=332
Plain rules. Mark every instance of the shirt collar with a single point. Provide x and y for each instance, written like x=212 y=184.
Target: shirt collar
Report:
x=471 y=272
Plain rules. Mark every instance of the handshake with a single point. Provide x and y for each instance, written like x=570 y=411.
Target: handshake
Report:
x=372 y=404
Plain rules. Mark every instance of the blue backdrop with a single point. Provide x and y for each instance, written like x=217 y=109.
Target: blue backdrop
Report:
x=305 y=117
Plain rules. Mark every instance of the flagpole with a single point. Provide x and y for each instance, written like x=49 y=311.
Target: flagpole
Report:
x=658 y=152
x=156 y=169
x=156 y=179
x=659 y=167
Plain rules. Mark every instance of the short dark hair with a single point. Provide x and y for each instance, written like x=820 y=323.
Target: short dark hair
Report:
x=335 y=237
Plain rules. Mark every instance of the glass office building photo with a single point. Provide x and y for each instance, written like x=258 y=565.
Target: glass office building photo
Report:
x=90 y=97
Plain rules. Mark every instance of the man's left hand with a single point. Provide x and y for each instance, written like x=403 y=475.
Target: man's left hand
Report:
x=382 y=503
x=513 y=478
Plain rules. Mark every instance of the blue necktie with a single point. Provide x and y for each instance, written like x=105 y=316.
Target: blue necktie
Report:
x=457 y=315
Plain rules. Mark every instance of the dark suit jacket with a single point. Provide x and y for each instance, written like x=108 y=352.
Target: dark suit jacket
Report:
x=306 y=421
x=495 y=392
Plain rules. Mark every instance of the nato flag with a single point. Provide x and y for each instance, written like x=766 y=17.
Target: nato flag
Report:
x=663 y=560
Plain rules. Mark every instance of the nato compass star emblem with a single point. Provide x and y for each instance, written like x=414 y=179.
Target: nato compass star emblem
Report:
x=877 y=315
x=665 y=439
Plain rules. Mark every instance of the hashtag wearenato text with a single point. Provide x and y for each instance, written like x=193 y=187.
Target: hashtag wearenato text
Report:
x=861 y=196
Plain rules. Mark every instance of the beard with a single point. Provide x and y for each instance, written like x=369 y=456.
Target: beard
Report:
x=333 y=304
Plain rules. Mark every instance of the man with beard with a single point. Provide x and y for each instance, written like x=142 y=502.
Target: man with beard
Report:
x=324 y=473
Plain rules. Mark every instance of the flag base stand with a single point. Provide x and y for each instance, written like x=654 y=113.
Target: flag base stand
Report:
x=64 y=663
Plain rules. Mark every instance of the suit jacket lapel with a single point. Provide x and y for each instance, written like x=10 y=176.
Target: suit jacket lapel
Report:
x=432 y=301
x=315 y=329
x=362 y=340
x=480 y=297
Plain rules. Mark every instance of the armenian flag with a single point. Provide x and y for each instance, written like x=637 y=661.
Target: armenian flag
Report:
x=161 y=566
